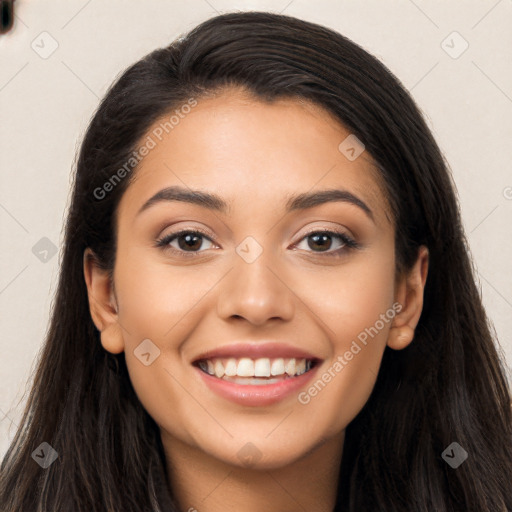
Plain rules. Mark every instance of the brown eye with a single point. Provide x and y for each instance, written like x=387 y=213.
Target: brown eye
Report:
x=190 y=241
x=323 y=242
x=185 y=241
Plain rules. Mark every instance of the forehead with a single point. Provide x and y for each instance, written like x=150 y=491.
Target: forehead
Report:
x=253 y=152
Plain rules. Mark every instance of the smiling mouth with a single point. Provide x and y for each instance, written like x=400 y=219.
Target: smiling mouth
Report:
x=261 y=371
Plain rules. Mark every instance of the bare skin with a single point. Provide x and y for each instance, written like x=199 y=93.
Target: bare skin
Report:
x=254 y=156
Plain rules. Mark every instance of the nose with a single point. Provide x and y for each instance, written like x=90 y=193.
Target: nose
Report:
x=256 y=291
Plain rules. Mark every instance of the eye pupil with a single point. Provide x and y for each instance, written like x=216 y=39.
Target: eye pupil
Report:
x=319 y=239
x=192 y=241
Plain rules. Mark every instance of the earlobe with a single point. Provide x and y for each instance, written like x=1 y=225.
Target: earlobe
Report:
x=400 y=337
x=112 y=338
x=409 y=293
x=102 y=303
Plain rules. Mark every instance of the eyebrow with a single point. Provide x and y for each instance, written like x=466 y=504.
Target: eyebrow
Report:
x=310 y=199
x=216 y=203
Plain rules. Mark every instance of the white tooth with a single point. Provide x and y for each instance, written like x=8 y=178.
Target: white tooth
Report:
x=277 y=367
x=219 y=369
x=245 y=367
x=211 y=369
x=252 y=381
x=262 y=367
x=231 y=367
x=290 y=367
x=300 y=367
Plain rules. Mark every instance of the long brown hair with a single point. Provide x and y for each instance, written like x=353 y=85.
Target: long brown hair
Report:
x=448 y=386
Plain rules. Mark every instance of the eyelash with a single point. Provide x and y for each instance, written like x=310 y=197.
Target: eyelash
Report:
x=349 y=243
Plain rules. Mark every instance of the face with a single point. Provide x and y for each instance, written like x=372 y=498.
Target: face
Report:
x=252 y=279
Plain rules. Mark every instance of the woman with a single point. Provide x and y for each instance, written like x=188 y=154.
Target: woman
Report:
x=266 y=300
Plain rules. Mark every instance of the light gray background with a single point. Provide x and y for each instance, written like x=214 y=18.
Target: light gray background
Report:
x=47 y=100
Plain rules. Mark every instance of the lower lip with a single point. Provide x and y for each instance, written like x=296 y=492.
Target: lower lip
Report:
x=257 y=396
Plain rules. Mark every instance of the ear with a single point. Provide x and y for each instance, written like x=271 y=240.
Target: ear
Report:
x=102 y=303
x=409 y=294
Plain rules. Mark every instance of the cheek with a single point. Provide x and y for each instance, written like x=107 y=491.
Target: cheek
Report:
x=350 y=298
x=156 y=300
x=162 y=304
x=355 y=306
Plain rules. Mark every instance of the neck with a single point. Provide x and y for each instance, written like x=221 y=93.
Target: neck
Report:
x=202 y=483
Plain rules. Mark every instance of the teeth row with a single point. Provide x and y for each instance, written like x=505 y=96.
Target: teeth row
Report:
x=263 y=367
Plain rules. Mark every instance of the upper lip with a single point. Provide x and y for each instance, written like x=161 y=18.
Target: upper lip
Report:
x=256 y=350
